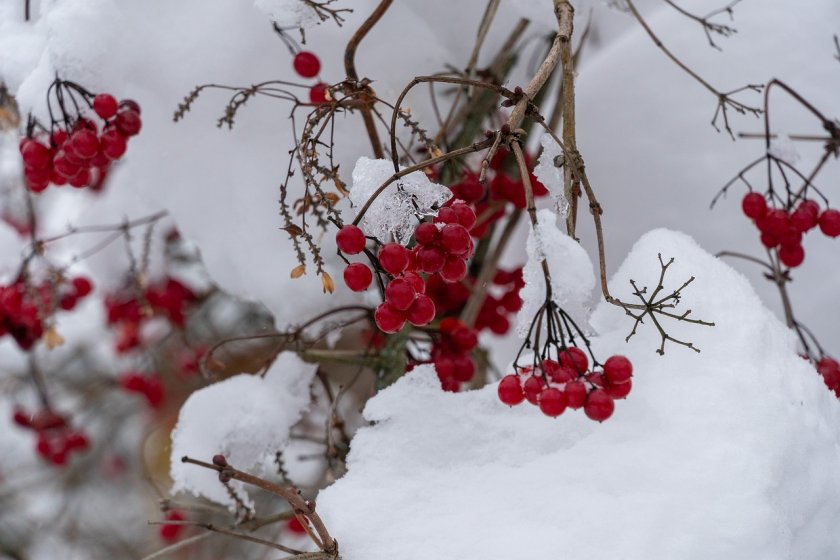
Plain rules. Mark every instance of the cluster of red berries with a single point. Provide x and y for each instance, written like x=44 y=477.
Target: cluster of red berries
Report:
x=784 y=229
x=149 y=386
x=56 y=440
x=22 y=307
x=566 y=383
x=829 y=369
x=80 y=154
x=307 y=65
x=169 y=299
x=451 y=353
x=169 y=532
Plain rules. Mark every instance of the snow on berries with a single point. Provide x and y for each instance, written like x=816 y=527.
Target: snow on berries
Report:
x=86 y=134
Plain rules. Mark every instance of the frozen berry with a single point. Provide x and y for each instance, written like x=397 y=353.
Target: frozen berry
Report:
x=618 y=369
x=129 y=123
x=430 y=259
x=455 y=239
x=393 y=257
x=532 y=387
x=806 y=216
x=82 y=286
x=358 y=277
x=830 y=222
x=618 y=390
x=754 y=205
x=454 y=269
x=427 y=234
x=422 y=311
x=105 y=105
x=388 y=319
x=574 y=358
x=400 y=293
x=552 y=402
x=35 y=155
x=85 y=143
x=307 y=64
x=510 y=390
x=599 y=405
x=576 y=394
x=350 y=239
x=113 y=144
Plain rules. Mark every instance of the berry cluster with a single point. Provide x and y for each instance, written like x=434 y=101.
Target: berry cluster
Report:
x=56 y=441
x=783 y=229
x=76 y=148
x=24 y=307
x=829 y=369
x=307 y=65
x=555 y=385
x=150 y=386
x=451 y=353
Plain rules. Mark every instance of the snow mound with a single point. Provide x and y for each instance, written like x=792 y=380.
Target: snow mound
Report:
x=395 y=210
x=550 y=175
x=730 y=453
x=572 y=275
x=246 y=417
x=289 y=13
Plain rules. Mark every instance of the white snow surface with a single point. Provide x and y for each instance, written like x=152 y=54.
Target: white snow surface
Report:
x=246 y=418
x=288 y=13
x=394 y=211
x=729 y=453
x=572 y=275
x=550 y=175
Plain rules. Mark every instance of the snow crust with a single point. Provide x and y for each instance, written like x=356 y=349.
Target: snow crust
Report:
x=730 y=453
x=550 y=175
x=246 y=418
x=394 y=212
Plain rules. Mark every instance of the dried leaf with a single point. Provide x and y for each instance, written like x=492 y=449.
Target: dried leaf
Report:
x=339 y=184
x=298 y=271
x=293 y=230
x=327 y=281
x=52 y=339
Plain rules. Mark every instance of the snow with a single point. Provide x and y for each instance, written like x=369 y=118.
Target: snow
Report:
x=550 y=174
x=572 y=275
x=730 y=453
x=246 y=418
x=783 y=148
x=288 y=13
x=395 y=210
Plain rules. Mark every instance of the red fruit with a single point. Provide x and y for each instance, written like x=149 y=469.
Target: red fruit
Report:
x=576 y=394
x=618 y=390
x=76 y=440
x=416 y=282
x=47 y=420
x=791 y=236
x=510 y=390
x=512 y=302
x=446 y=215
x=618 y=369
x=113 y=144
x=455 y=239
x=499 y=325
x=552 y=402
x=792 y=255
x=130 y=104
x=350 y=239
x=128 y=122
x=58 y=138
x=306 y=64
x=64 y=167
x=82 y=286
x=558 y=373
x=21 y=418
x=464 y=368
x=466 y=216
x=68 y=302
x=774 y=222
x=754 y=205
x=465 y=339
x=806 y=216
x=105 y=106
x=170 y=532
x=454 y=269
x=769 y=240
x=445 y=367
x=35 y=155
x=318 y=94
x=358 y=277
x=599 y=405
x=294 y=525
x=532 y=388
x=430 y=259
x=830 y=222
x=427 y=233
x=81 y=179
x=388 y=319
x=393 y=257
x=154 y=391
x=400 y=294
x=574 y=359
x=422 y=311
x=85 y=143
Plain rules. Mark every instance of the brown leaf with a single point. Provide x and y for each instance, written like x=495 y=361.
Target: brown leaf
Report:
x=298 y=271
x=293 y=230
x=52 y=339
x=327 y=281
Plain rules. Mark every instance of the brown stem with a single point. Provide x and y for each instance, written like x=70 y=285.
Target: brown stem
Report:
x=571 y=188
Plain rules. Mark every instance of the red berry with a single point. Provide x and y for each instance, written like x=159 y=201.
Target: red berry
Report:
x=454 y=269
x=806 y=216
x=388 y=319
x=830 y=222
x=499 y=325
x=754 y=205
x=85 y=143
x=552 y=402
x=446 y=215
x=445 y=367
x=455 y=239
x=512 y=302
x=350 y=239
x=791 y=255
x=464 y=368
x=113 y=144
x=466 y=216
x=105 y=105
x=358 y=277
x=76 y=441
x=400 y=294
x=774 y=222
x=170 y=532
x=576 y=394
x=318 y=94
x=465 y=338
x=307 y=64
x=430 y=259
x=294 y=525
x=422 y=311
x=599 y=405
x=128 y=122
x=35 y=155
x=416 y=282
x=510 y=390
x=574 y=359
x=618 y=369
x=791 y=236
x=618 y=390
x=130 y=104
x=769 y=240
x=427 y=233
x=81 y=179
x=68 y=302
x=558 y=373
x=21 y=418
x=82 y=286
x=393 y=257
x=532 y=388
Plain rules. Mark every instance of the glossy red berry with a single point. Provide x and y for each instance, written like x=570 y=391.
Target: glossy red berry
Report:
x=532 y=388
x=307 y=64
x=552 y=402
x=170 y=532
x=574 y=359
x=430 y=259
x=830 y=222
x=82 y=286
x=422 y=311
x=358 y=277
x=294 y=525
x=393 y=257
x=350 y=239
x=455 y=239
x=618 y=390
x=388 y=319
x=318 y=94
x=85 y=143
x=599 y=405
x=446 y=215
x=510 y=390
x=466 y=216
x=454 y=269
x=618 y=369
x=576 y=394
x=774 y=222
x=791 y=255
x=113 y=144
x=128 y=122
x=105 y=105
x=35 y=155
x=427 y=233
x=416 y=282
x=131 y=105
x=806 y=216
x=465 y=338
x=754 y=205
x=400 y=294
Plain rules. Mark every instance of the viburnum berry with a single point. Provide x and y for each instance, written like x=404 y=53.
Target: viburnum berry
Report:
x=618 y=369
x=466 y=216
x=389 y=319
x=169 y=532
x=430 y=259
x=294 y=525
x=454 y=269
x=318 y=94
x=82 y=286
x=400 y=294
x=113 y=144
x=128 y=122
x=791 y=255
x=422 y=311
x=830 y=222
x=85 y=143
x=35 y=155
x=575 y=359
x=416 y=282
x=552 y=402
x=532 y=388
x=576 y=394
x=358 y=277
x=393 y=257
x=774 y=222
x=350 y=239
x=618 y=390
x=446 y=215
x=599 y=405
x=769 y=240
x=510 y=390
x=558 y=373
x=427 y=233
x=464 y=368
x=754 y=205
x=105 y=105
x=455 y=239
x=306 y=64
x=806 y=216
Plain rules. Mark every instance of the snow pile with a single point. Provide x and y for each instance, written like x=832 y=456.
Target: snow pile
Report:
x=550 y=174
x=572 y=276
x=783 y=148
x=247 y=418
x=395 y=210
x=730 y=453
x=289 y=13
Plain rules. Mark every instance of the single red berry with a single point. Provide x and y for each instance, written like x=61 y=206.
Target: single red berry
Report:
x=307 y=64
x=400 y=294
x=455 y=239
x=350 y=239
x=318 y=94
x=774 y=222
x=618 y=390
x=806 y=216
x=105 y=105
x=388 y=319
x=446 y=215
x=754 y=205
x=294 y=525
x=552 y=402
x=499 y=325
x=465 y=338
x=82 y=286
x=510 y=390
x=466 y=216
x=558 y=373
x=131 y=105
x=830 y=222
x=422 y=311
x=599 y=405
x=416 y=282
x=618 y=369
x=358 y=277
x=76 y=441
x=445 y=367
x=113 y=144
x=427 y=233
x=170 y=532
x=791 y=255
x=68 y=302
x=430 y=259
x=576 y=394
x=80 y=179
x=393 y=257
x=35 y=155
x=21 y=418
x=454 y=269
x=128 y=122
x=511 y=301
x=464 y=368
x=769 y=240
x=575 y=359
x=532 y=388
x=58 y=137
